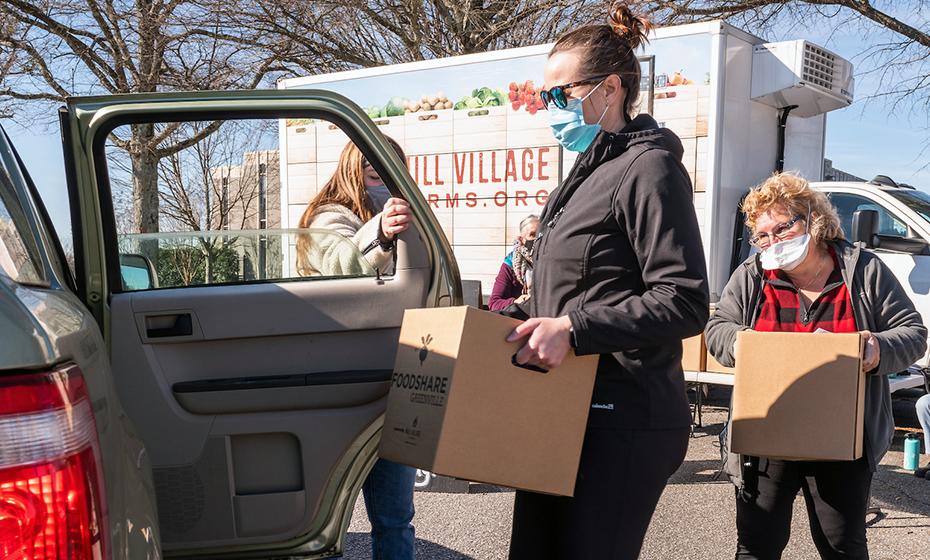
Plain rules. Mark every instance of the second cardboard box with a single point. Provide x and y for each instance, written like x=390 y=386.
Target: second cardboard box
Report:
x=798 y=396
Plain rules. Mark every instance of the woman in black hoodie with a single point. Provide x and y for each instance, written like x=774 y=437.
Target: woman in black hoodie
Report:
x=619 y=272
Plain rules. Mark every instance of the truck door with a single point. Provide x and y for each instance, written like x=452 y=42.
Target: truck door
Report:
x=258 y=386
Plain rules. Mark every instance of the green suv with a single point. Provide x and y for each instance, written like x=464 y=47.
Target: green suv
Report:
x=188 y=393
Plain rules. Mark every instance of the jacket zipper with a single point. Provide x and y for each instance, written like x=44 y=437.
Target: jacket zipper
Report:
x=541 y=243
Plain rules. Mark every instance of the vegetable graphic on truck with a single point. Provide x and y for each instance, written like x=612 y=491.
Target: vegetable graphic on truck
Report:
x=489 y=160
x=477 y=141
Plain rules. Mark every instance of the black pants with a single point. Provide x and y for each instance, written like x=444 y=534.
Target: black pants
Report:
x=837 y=497
x=620 y=479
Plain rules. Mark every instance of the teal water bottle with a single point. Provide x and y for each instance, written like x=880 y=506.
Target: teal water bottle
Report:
x=911 y=452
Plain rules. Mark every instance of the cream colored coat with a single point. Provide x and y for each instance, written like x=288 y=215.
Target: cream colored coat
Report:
x=329 y=255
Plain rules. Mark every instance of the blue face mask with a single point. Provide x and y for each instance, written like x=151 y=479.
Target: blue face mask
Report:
x=568 y=124
x=378 y=195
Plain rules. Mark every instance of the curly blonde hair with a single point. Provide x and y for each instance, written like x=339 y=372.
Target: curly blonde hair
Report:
x=796 y=195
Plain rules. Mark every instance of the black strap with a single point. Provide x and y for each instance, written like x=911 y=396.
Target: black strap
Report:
x=749 y=468
x=515 y=311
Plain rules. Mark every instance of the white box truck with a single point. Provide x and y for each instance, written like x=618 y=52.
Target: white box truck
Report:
x=479 y=146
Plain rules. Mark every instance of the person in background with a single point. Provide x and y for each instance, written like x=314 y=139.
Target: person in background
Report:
x=513 y=279
x=356 y=204
x=618 y=272
x=808 y=278
x=923 y=416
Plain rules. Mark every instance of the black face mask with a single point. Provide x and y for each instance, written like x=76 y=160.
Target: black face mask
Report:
x=528 y=243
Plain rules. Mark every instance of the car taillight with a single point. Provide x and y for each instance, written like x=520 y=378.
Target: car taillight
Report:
x=51 y=485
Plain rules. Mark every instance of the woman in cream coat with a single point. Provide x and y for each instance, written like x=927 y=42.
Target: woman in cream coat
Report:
x=355 y=204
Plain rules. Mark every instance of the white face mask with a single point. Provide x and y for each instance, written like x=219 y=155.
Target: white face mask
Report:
x=786 y=255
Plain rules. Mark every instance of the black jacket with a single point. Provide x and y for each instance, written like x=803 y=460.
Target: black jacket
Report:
x=619 y=251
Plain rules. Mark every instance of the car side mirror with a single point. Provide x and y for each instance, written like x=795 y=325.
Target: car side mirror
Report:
x=865 y=228
x=137 y=272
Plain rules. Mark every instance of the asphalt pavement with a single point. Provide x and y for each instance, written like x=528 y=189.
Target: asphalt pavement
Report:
x=695 y=518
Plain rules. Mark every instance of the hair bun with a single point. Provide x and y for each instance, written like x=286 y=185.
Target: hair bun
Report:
x=631 y=28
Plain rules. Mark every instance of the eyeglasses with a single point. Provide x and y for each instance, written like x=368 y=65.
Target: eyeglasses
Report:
x=556 y=94
x=779 y=233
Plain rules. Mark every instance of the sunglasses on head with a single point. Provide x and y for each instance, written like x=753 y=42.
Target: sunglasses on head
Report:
x=556 y=94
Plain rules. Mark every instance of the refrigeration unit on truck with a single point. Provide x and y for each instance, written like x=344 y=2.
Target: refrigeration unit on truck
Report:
x=478 y=143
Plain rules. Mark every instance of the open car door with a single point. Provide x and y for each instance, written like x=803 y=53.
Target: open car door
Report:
x=258 y=386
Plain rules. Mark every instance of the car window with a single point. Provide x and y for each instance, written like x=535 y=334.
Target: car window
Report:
x=237 y=256
x=918 y=201
x=208 y=209
x=847 y=204
x=19 y=252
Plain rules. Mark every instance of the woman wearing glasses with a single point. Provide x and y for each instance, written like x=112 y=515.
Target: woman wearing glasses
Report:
x=618 y=271
x=807 y=278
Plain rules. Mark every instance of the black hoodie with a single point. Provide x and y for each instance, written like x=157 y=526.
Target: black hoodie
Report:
x=619 y=251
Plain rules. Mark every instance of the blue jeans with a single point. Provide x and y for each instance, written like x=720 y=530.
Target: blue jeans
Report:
x=923 y=415
x=388 y=492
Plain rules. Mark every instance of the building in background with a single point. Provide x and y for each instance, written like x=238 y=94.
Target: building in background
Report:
x=248 y=197
x=831 y=173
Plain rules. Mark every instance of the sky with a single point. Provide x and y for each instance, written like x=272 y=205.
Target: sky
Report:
x=862 y=139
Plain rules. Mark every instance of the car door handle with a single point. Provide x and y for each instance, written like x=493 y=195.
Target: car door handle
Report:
x=163 y=326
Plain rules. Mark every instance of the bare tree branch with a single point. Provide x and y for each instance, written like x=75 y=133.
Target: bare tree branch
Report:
x=343 y=34
x=716 y=9
x=901 y=64
x=179 y=145
x=54 y=49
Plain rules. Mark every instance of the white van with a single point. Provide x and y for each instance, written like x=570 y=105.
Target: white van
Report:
x=898 y=232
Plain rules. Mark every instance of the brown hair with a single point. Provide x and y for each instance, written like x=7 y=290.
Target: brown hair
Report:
x=611 y=48
x=796 y=195
x=346 y=188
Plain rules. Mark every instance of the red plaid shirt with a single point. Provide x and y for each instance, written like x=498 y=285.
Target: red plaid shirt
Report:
x=782 y=309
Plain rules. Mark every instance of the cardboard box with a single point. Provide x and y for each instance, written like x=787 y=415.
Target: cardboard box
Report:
x=476 y=130
x=693 y=353
x=712 y=365
x=798 y=396
x=428 y=132
x=710 y=362
x=459 y=407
